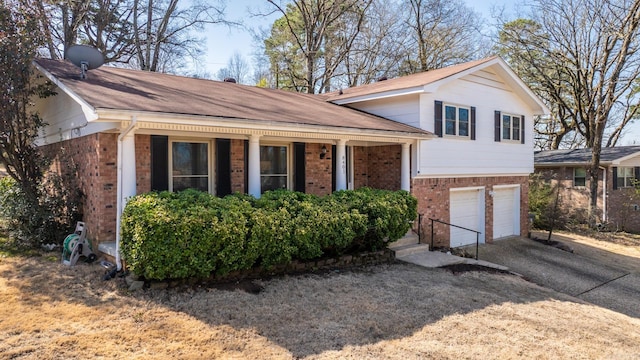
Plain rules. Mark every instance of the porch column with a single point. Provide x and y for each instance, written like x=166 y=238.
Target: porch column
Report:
x=405 y=168
x=341 y=165
x=128 y=168
x=254 y=166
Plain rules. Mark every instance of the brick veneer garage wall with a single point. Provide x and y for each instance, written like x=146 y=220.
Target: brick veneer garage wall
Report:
x=433 y=202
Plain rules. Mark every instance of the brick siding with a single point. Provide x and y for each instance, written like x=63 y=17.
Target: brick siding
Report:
x=318 y=174
x=237 y=166
x=93 y=159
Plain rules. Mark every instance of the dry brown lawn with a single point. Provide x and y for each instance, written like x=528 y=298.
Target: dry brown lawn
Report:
x=49 y=311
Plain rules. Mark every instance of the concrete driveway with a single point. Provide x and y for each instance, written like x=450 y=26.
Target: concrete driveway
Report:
x=605 y=280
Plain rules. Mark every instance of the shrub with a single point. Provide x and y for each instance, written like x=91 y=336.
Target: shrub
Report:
x=389 y=214
x=194 y=234
x=47 y=219
x=186 y=234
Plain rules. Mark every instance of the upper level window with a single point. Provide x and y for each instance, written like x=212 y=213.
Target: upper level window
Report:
x=274 y=167
x=579 y=177
x=189 y=166
x=511 y=127
x=625 y=177
x=456 y=120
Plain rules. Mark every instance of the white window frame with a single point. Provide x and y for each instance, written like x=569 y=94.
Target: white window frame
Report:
x=289 y=162
x=210 y=156
x=512 y=133
x=574 y=177
x=457 y=121
x=627 y=183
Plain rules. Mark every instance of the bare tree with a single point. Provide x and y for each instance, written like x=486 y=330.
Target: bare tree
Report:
x=592 y=49
x=237 y=68
x=444 y=32
x=318 y=32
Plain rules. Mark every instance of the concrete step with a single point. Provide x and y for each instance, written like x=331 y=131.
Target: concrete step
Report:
x=409 y=239
x=406 y=250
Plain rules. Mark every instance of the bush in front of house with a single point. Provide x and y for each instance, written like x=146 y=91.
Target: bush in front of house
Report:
x=389 y=214
x=194 y=234
x=186 y=234
x=47 y=219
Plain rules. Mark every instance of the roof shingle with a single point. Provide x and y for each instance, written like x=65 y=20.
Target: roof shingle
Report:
x=134 y=90
x=583 y=156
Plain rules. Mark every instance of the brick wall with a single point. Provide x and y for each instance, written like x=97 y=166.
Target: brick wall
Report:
x=360 y=167
x=318 y=174
x=433 y=202
x=384 y=166
x=574 y=200
x=143 y=163
x=92 y=160
x=237 y=166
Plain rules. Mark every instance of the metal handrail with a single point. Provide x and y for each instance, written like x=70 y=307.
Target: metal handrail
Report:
x=459 y=227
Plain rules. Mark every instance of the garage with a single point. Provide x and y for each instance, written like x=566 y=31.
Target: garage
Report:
x=467 y=210
x=506 y=211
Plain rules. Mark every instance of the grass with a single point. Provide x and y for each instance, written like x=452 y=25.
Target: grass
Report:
x=394 y=311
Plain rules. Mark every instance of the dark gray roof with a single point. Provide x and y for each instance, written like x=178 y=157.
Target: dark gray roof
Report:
x=583 y=156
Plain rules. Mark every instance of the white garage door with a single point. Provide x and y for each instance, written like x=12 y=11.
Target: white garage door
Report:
x=467 y=210
x=506 y=212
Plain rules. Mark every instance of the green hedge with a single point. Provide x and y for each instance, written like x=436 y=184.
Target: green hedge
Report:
x=193 y=234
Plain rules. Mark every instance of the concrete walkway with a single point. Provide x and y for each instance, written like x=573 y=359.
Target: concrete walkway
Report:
x=436 y=259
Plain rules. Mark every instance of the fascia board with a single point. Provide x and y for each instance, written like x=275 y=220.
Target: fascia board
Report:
x=380 y=95
x=248 y=124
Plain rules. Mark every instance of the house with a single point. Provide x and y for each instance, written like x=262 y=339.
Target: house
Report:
x=617 y=204
x=474 y=173
x=458 y=138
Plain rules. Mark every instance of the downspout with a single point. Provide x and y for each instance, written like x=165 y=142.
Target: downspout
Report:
x=120 y=200
x=604 y=195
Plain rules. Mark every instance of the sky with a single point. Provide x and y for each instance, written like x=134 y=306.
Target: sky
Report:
x=223 y=42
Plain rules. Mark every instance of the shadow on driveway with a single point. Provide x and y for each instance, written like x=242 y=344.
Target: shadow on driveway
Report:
x=596 y=280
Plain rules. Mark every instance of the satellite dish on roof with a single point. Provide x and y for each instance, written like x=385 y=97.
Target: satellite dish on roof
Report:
x=85 y=57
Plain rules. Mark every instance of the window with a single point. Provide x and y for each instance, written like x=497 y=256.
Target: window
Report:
x=511 y=127
x=274 y=167
x=456 y=120
x=579 y=177
x=625 y=177
x=189 y=166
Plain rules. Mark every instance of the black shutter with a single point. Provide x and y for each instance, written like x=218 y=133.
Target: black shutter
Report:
x=333 y=168
x=223 y=167
x=159 y=163
x=246 y=166
x=437 y=124
x=615 y=178
x=522 y=129
x=497 y=133
x=636 y=174
x=299 y=167
x=473 y=123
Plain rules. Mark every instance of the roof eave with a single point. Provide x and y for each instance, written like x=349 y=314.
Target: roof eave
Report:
x=379 y=95
x=253 y=125
x=88 y=110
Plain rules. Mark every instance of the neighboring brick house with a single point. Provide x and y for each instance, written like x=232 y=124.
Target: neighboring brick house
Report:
x=455 y=137
x=618 y=205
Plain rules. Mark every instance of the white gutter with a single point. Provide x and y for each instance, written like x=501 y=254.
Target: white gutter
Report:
x=604 y=194
x=120 y=200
